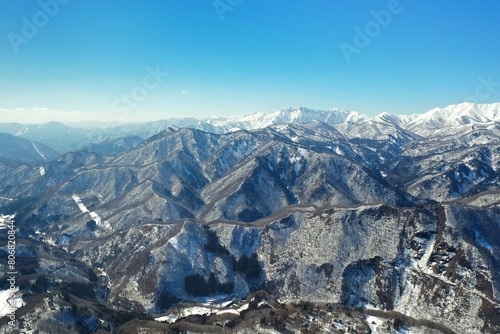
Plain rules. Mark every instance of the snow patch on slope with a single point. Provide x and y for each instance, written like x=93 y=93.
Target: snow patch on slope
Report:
x=93 y=215
x=10 y=300
x=40 y=153
x=4 y=219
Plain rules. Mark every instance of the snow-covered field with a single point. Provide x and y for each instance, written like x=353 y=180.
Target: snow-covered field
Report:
x=374 y=322
x=171 y=318
x=9 y=300
x=3 y=219
x=93 y=215
x=186 y=312
x=200 y=310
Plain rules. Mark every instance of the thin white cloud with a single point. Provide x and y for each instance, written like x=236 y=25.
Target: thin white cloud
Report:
x=41 y=115
x=184 y=92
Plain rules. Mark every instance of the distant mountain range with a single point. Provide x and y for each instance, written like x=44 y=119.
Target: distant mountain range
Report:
x=20 y=150
x=448 y=120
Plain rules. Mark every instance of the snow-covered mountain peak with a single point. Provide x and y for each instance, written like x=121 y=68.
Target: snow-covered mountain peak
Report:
x=481 y=112
x=490 y=111
x=455 y=115
x=389 y=118
x=250 y=115
x=469 y=106
x=258 y=120
x=305 y=115
x=394 y=119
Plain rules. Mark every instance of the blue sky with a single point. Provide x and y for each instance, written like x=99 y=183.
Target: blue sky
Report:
x=243 y=57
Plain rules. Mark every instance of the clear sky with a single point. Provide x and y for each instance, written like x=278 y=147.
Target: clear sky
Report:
x=92 y=57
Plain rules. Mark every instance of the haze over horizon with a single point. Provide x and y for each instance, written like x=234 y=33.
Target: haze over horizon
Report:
x=78 y=61
x=89 y=120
